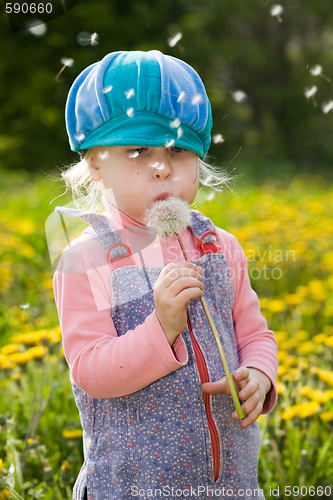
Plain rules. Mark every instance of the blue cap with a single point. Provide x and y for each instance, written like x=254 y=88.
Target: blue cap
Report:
x=139 y=98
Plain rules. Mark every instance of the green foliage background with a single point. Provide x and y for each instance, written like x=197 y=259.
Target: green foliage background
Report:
x=234 y=45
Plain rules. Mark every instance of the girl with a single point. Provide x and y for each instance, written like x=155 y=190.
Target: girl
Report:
x=155 y=407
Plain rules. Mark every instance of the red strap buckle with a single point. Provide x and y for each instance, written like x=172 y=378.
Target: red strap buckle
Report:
x=208 y=247
x=108 y=253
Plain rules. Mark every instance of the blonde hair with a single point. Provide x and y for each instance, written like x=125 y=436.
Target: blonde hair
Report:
x=87 y=194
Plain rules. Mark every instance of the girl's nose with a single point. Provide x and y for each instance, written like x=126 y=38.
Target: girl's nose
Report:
x=161 y=165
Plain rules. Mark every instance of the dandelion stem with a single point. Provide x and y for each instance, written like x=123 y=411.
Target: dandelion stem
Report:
x=218 y=343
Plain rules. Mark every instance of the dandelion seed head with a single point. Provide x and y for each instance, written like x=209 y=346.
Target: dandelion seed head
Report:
x=174 y=40
x=304 y=452
x=129 y=93
x=179 y=133
x=176 y=123
x=67 y=61
x=181 y=97
x=107 y=89
x=130 y=112
x=169 y=217
x=239 y=96
x=276 y=10
x=310 y=92
x=316 y=70
x=197 y=99
x=25 y=306
x=327 y=107
x=218 y=138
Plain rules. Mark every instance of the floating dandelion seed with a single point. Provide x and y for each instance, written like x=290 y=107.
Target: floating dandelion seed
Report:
x=157 y=165
x=196 y=99
x=239 y=96
x=179 y=133
x=67 y=62
x=80 y=137
x=130 y=112
x=169 y=144
x=37 y=28
x=133 y=154
x=276 y=11
x=24 y=307
x=171 y=217
x=176 y=123
x=218 y=138
x=210 y=196
x=318 y=71
x=181 y=97
x=94 y=39
x=103 y=156
x=309 y=94
x=129 y=93
x=107 y=89
x=327 y=107
x=85 y=38
x=175 y=39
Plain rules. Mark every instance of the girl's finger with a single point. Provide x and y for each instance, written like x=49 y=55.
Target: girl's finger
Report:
x=241 y=373
x=176 y=265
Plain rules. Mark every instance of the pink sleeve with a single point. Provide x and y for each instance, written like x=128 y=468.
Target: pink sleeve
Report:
x=103 y=364
x=257 y=345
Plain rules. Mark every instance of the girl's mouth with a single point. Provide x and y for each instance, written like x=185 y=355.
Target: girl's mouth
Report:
x=163 y=196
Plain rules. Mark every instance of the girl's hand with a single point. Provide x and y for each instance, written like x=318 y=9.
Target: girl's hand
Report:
x=253 y=385
x=177 y=283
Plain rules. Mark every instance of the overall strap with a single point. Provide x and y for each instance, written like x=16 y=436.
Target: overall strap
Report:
x=204 y=230
x=101 y=229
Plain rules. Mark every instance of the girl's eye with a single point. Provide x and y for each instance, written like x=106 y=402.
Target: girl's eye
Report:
x=175 y=149
x=134 y=153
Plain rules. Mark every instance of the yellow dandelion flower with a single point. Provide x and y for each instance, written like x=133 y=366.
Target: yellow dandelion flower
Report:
x=20 y=358
x=280 y=388
x=306 y=348
x=281 y=370
x=324 y=375
x=34 y=337
x=302 y=335
x=288 y=344
x=320 y=338
x=326 y=416
x=280 y=335
x=1 y=465
x=317 y=290
x=302 y=290
x=303 y=410
x=328 y=329
x=288 y=413
x=329 y=282
x=15 y=376
x=276 y=305
x=37 y=351
x=6 y=275
x=292 y=375
x=5 y=363
x=306 y=391
x=282 y=355
x=74 y=434
x=327 y=261
x=9 y=349
x=328 y=311
x=293 y=299
x=320 y=396
x=264 y=302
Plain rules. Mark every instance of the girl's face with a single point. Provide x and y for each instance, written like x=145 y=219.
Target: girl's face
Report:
x=134 y=177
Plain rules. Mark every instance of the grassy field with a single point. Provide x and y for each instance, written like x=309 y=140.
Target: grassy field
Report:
x=286 y=230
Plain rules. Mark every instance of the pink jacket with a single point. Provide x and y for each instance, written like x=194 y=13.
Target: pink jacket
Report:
x=94 y=352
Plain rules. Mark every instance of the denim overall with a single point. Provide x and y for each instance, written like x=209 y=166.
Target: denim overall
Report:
x=169 y=439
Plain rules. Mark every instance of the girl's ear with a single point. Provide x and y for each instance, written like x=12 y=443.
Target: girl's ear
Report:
x=93 y=168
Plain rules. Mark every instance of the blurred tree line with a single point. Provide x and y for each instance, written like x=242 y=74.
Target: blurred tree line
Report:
x=256 y=70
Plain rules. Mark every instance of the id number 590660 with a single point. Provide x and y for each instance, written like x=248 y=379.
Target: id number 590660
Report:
x=25 y=8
